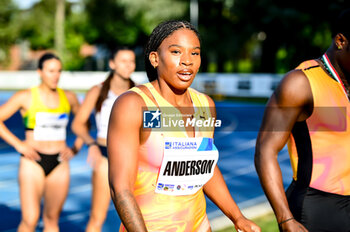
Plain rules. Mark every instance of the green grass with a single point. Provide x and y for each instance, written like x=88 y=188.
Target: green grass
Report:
x=267 y=223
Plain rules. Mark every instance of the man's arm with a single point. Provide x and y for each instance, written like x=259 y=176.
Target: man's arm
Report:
x=291 y=102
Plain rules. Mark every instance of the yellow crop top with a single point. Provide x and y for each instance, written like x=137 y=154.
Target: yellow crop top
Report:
x=29 y=117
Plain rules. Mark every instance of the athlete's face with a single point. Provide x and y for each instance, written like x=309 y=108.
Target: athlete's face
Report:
x=123 y=63
x=178 y=58
x=50 y=73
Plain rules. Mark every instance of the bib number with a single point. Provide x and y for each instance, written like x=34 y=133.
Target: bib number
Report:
x=188 y=163
x=50 y=126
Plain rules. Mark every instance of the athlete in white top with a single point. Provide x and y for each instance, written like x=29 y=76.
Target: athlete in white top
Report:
x=101 y=98
x=102 y=116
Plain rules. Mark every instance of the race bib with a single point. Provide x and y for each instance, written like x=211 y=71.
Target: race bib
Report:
x=188 y=163
x=50 y=126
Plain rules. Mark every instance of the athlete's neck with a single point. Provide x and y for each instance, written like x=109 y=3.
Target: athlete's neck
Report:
x=46 y=89
x=174 y=96
x=48 y=96
x=119 y=84
x=331 y=54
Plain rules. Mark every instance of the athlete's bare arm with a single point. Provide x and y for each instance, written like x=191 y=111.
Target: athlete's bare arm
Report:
x=73 y=101
x=291 y=102
x=19 y=101
x=68 y=153
x=123 y=142
x=217 y=191
x=79 y=124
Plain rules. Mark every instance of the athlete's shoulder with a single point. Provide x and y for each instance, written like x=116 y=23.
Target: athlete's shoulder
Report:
x=130 y=97
x=195 y=91
x=96 y=88
x=143 y=91
x=69 y=94
x=294 y=89
x=203 y=96
x=71 y=97
x=308 y=64
x=138 y=88
x=127 y=108
x=20 y=99
x=94 y=91
x=22 y=95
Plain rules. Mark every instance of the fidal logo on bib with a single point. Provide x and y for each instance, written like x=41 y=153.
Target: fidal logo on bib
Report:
x=181 y=145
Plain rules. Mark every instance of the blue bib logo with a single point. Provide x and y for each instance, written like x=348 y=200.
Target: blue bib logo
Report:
x=167 y=145
x=152 y=119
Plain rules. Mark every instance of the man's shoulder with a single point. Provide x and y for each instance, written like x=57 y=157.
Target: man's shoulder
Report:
x=294 y=88
x=307 y=65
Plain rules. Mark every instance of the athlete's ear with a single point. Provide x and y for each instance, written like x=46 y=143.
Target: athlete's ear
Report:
x=340 y=41
x=153 y=58
x=111 y=64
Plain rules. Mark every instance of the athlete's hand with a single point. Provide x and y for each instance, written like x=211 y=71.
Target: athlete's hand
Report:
x=27 y=151
x=66 y=154
x=242 y=224
x=94 y=156
x=293 y=226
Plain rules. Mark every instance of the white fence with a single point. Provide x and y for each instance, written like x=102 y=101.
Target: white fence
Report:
x=239 y=85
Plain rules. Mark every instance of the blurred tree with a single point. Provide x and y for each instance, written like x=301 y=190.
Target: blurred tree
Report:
x=265 y=35
x=221 y=43
x=37 y=25
x=59 y=26
x=123 y=22
x=290 y=31
x=108 y=23
x=237 y=35
x=150 y=13
x=8 y=29
x=75 y=23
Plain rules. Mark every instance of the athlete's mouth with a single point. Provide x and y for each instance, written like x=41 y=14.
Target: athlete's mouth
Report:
x=185 y=74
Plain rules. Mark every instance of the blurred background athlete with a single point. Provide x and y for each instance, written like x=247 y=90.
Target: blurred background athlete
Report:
x=100 y=99
x=44 y=168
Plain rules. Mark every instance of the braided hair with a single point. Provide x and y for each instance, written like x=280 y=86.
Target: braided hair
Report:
x=159 y=33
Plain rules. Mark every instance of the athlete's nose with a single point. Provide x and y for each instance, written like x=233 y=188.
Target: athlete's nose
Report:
x=186 y=59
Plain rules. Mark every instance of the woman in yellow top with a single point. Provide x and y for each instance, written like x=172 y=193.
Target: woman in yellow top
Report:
x=158 y=173
x=44 y=169
x=100 y=99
